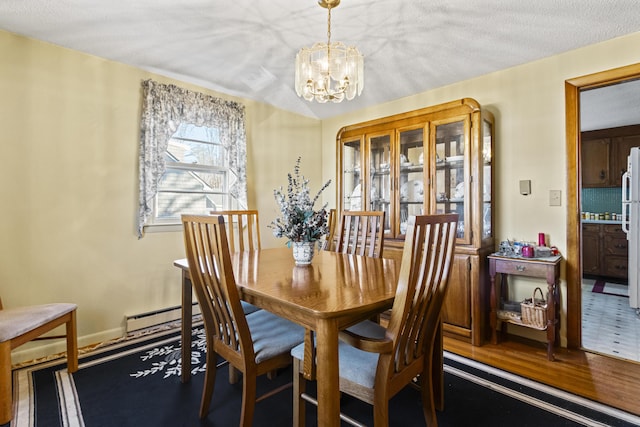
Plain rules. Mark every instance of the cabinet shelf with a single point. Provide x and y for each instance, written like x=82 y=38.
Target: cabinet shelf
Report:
x=514 y=317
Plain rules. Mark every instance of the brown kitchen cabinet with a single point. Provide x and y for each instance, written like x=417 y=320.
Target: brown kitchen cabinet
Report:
x=595 y=162
x=433 y=160
x=604 y=155
x=591 y=249
x=621 y=149
x=604 y=250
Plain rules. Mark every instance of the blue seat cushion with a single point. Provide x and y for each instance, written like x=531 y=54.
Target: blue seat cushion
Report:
x=272 y=335
x=248 y=308
x=356 y=365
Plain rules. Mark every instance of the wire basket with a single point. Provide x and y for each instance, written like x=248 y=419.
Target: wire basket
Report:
x=534 y=310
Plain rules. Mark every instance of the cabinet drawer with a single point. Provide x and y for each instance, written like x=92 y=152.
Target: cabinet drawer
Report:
x=615 y=245
x=613 y=228
x=615 y=266
x=522 y=268
x=591 y=228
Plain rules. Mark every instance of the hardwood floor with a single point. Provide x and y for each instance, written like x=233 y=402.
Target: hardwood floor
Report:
x=607 y=380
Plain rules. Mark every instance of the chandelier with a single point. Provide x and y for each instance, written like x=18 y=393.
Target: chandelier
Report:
x=329 y=71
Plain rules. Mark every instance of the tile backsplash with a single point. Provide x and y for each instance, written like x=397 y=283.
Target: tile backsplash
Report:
x=602 y=200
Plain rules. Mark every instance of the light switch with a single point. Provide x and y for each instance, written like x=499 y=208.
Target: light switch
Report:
x=554 y=198
x=525 y=187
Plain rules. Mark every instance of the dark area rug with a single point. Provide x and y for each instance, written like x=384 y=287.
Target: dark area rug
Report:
x=137 y=383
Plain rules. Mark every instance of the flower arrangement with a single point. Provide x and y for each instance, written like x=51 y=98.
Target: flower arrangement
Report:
x=299 y=221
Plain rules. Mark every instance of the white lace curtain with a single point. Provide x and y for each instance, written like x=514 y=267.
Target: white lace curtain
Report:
x=164 y=108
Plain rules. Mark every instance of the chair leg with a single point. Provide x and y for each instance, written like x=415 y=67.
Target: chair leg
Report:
x=427 y=394
x=299 y=387
x=248 y=399
x=234 y=375
x=381 y=413
x=438 y=375
x=6 y=397
x=209 y=381
x=72 y=344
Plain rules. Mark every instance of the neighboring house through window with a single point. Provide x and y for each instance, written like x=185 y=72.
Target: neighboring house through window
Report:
x=197 y=176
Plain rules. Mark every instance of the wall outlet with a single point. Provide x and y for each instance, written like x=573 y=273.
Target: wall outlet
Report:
x=554 y=197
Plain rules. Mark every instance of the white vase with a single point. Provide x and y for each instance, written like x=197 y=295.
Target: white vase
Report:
x=303 y=252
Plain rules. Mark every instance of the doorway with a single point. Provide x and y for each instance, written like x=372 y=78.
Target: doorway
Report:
x=573 y=89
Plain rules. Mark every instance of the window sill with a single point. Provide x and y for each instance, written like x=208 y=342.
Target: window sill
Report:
x=161 y=228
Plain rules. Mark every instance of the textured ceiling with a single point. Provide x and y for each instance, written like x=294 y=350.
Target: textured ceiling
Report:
x=247 y=47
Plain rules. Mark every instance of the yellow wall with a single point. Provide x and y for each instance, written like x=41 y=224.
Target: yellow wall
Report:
x=69 y=182
x=69 y=185
x=528 y=104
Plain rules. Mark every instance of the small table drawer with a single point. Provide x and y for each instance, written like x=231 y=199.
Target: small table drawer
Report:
x=521 y=268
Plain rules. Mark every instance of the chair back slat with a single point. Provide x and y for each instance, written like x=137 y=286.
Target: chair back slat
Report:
x=424 y=273
x=361 y=233
x=329 y=240
x=208 y=254
x=243 y=229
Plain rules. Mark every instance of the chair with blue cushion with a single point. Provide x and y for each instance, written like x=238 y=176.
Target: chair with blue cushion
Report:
x=377 y=362
x=243 y=229
x=328 y=243
x=243 y=234
x=360 y=233
x=19 y=325
x=254 y=344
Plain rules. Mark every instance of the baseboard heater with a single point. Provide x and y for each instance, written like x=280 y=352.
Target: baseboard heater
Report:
x=153 y=318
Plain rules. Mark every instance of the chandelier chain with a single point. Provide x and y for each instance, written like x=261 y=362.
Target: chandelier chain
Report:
x=329 y=35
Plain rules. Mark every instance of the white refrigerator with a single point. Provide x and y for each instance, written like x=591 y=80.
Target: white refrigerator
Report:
x=631 y=222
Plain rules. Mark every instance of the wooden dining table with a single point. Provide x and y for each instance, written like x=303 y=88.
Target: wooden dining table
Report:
x=334 y=292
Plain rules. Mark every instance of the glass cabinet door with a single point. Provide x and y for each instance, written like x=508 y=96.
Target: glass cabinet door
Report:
x=352 y=175
x=381 y=170
x=451 y=158
x=487 y=154
x=411 y=177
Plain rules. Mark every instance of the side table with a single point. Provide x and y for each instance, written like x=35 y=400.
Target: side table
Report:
x=547 y=268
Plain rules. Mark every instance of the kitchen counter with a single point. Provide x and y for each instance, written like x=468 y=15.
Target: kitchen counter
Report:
x=601 y=221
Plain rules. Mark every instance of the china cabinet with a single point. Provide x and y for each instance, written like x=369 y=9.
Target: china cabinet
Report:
x=433 y=160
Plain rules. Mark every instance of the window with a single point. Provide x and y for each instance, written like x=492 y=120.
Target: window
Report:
x=193 y=154
x=197 y=176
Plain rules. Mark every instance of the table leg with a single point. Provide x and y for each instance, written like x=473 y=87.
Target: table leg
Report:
x=186 y=324
x=504 y=296
x=551 y=320
x=328 y=374
x=493 y=314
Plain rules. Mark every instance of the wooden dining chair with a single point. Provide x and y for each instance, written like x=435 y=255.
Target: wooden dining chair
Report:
x=377 y=362
x=254 y=344
x=357 y=232
x=360 y=233
x=243 y=229
x=20 y=325
x=243 y=234
x=329 y=240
